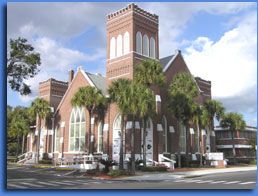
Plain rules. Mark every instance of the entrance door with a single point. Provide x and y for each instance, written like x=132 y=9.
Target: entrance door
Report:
x=116 y=138
x=149 y=142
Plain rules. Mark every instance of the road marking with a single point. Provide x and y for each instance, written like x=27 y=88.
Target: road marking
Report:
x=243 y=183
x=61 y=183
x=47 y=183
x=21 y=179
x=217 y=182
x=205 y=181
x=31 y=185
x=189 y=181
x=232 y=182
x=15 y=186
x=180 y=180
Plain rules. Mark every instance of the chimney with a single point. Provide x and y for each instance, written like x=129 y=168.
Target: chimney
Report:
x=71 y=75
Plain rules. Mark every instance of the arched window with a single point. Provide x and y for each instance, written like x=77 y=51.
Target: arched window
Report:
x=165 y=134
x=182 y=138
x=145 y=45
x=139 y=42
x=119 y=46
x=100 y=137
x=77 y=130
x=126 y=43
x=152 y=48
x=112 y=48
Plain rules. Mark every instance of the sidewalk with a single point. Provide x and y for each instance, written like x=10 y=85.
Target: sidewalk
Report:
x=178 y=173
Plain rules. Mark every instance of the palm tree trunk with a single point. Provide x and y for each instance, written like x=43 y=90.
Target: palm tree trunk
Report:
x=89 y=135
x=187 y=146
x=234 y=150
x=121 y=158
x=199 y=142
x=18 y=145
x=46 y=150
x=38 y=141
x=23 y=143
x=144 y=141
x=179 y=151
x=132 y=147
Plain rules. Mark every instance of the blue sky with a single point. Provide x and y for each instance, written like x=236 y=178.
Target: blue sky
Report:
x=218 y=41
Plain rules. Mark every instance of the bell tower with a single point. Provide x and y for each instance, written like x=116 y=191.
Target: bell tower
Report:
x=132 y=35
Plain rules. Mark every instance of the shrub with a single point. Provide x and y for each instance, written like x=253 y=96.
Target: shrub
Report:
x=116 y=173
x=44 y=161
x=107 y=163
x=252 y=162
x=158 y=168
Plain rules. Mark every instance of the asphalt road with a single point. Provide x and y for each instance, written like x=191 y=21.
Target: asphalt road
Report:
x=31 y=178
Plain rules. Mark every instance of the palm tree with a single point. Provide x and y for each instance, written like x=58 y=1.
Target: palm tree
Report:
x=197 y=120
x=233 y=122
x=19 y=127
x=41 y=109
x=212 y=109
x=148 y=72
x=118 y=93
x=90 y=98
x=183 y=91
x=146 y=102
x=101 y=110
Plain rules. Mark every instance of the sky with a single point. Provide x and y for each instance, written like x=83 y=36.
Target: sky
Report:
x=218 y=42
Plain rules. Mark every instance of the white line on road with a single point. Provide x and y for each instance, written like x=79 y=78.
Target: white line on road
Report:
x=217 y=182
x=31 y=185
x=61 y=183
x=232 y=182
x=243 y=183
x=47 y=183
x=180 y=180
x=15 y=186
x=205 y=181
x=189 y=181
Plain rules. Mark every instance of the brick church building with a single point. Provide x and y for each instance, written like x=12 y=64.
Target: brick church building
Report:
x=132 y=36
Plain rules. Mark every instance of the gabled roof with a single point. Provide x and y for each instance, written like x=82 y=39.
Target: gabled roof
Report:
x=165 y=60
x=99 y=81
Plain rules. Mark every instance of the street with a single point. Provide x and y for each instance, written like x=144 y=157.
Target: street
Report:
x=33 y=178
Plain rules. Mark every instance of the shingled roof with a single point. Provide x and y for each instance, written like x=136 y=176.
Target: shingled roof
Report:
x=164 y=61
x=99 y=81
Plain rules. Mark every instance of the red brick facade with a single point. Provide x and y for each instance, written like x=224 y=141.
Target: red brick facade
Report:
x=131 y=19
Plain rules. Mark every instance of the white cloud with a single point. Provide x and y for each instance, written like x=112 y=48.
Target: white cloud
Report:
x=56 y=60
x=229 y=63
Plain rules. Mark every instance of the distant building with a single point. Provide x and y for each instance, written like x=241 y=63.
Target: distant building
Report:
x=243 y=140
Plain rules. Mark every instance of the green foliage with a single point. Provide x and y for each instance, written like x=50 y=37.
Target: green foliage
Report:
x=22 y=64
x=40 y=107
x=212 y=108
x=159 y=168
x=118 y=92
x=116 y=173
x=233 y=121
x=184 y=83
x=88 y=97
x=149 y=72
x=18 y=126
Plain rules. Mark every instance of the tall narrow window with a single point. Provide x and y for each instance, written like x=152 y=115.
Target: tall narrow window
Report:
x=165 y=134
x=77 y=130
x=126 y=43
x=152 y=48
x=139 y=42
x=145 y=45
x=57 y=139
x=182 y=138
x=119 y=46
x=100 y=137
x=112 y=48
